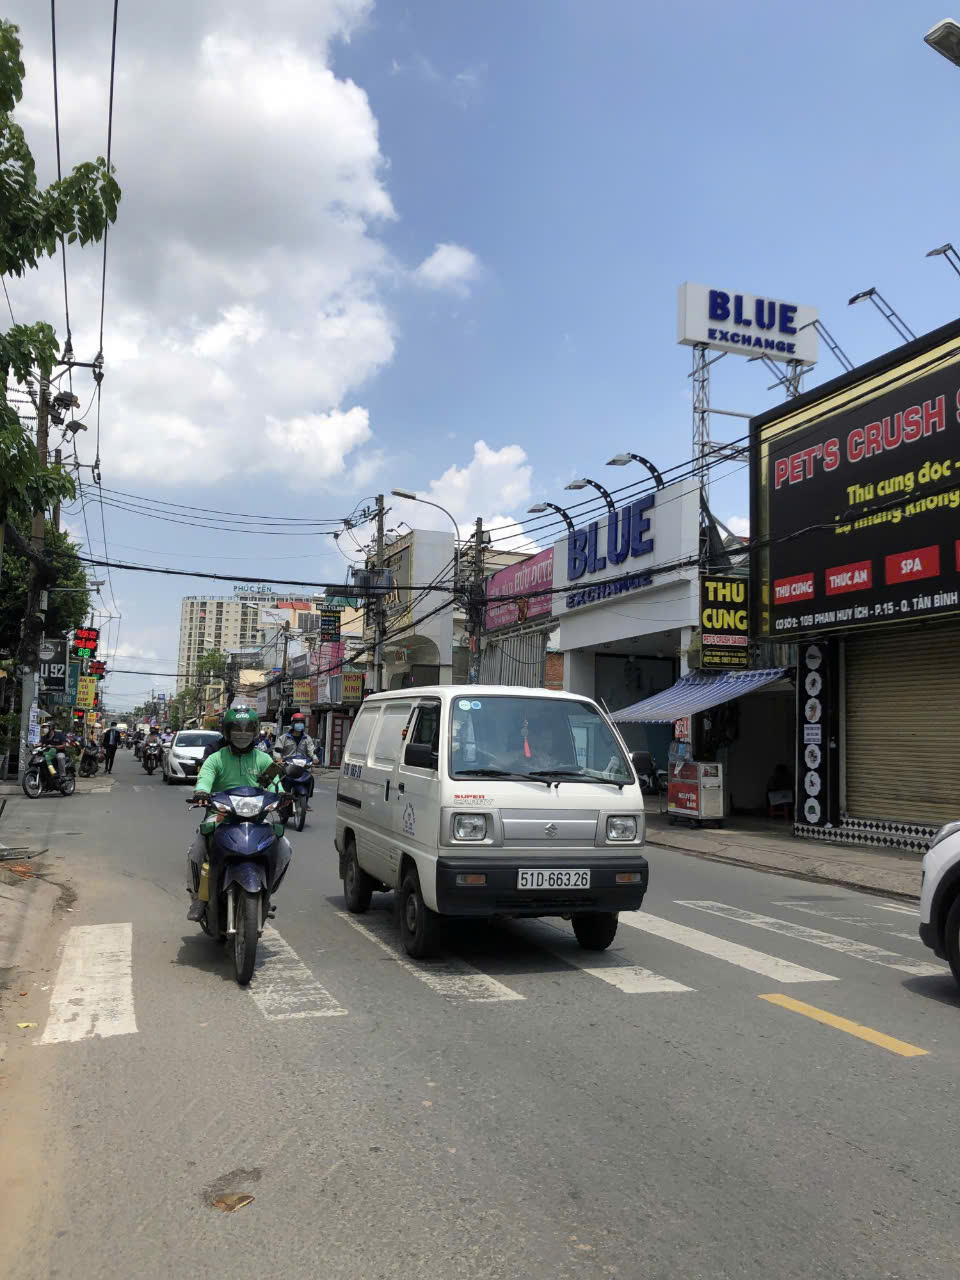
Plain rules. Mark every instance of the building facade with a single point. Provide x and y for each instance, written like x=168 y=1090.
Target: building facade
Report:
x=218 y=622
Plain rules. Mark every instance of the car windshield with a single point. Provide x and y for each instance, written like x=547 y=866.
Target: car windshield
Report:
x=197 y=739
x=533 y=737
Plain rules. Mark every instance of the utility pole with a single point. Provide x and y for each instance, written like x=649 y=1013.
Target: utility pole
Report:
x=476 y=601
x=58 y=458
x=29 y=687
x=283 y=678
x=378 y=604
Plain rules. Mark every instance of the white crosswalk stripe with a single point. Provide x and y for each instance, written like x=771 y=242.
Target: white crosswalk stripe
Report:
x=449 y=977
x=732 y=952
x=831 y=941
x=93 y=993
x=633 y=979
x=283 y=987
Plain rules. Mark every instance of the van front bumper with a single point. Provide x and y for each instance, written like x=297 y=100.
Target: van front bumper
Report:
x=499 y=895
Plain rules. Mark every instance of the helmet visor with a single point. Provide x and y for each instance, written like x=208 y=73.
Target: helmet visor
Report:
x=241 y=738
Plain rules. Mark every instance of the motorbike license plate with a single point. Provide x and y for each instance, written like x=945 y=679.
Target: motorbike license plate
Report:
x=551 y=878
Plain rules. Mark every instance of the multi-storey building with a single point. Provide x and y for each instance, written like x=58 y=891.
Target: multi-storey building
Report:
x=219 y=622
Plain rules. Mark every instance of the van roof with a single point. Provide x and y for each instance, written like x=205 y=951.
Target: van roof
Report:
x=461 y=690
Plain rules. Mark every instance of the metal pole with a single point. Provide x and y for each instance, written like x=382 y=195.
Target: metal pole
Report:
x=29 y=687
x=57 y=457
x=701 y=417
x=378 y=605
x=476 y=601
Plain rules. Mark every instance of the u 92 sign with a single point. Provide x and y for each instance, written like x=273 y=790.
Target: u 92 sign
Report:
x=53 y=672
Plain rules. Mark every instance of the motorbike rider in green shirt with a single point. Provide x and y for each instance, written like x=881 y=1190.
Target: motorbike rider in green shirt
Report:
x=238 y=764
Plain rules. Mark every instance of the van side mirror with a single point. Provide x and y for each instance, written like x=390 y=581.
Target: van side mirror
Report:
x=420 y=755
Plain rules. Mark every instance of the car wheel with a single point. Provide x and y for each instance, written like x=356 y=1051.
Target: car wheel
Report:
x=418 y=924
x=357 y=885
x=595 y=930
x=951 y=938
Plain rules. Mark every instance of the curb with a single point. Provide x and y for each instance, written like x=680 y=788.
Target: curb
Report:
x=815 y=873
x=22 y=917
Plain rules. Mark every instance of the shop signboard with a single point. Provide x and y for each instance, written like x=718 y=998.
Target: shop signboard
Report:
x=683 y=789
x=86 y=692
x=642 y=544
x=53 y=666
x=323 y=689
x=85 y=641
x=818 y=770
x=303 y=692
x=522 y=581
x=724 y=622
x=745 y=324
x=352 y=686
x=859 y=507
x=327 y=658
x=262 y=702
x=329 y=624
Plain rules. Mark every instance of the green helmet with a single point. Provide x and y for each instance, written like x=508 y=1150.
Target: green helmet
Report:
x=240 y=728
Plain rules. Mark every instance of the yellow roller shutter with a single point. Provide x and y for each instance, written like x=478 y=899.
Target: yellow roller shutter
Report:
x=903 y=726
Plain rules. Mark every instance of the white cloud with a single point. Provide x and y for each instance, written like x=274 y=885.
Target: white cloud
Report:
x=450 y=267
x=740 y=525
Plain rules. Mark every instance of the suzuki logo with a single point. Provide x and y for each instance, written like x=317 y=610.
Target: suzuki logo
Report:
x=551 y=830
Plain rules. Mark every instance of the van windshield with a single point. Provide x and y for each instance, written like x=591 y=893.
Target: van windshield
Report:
x=523 y=737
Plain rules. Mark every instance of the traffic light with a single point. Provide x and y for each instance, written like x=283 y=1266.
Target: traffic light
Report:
x=78 y=718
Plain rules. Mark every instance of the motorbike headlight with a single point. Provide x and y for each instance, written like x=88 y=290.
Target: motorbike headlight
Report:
x=948 y=829
x=470 y=826
x=622 y=827
x=247 y=806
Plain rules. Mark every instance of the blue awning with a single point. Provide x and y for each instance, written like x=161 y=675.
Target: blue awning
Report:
x=695 y=693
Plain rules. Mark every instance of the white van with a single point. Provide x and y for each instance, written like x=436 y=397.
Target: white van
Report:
x=487 y=800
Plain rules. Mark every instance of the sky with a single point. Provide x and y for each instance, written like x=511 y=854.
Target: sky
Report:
x=436 y=246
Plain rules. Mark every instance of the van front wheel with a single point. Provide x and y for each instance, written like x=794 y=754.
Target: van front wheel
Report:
x=418 y=924
x=595 y=930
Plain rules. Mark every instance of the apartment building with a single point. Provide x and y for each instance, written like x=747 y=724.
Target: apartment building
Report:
x=219 y=622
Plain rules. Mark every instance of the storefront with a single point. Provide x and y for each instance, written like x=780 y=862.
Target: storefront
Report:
x=627 y=606
x=518 y=621
x=855 y=498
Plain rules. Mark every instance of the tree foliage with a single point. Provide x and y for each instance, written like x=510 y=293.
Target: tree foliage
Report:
x=78 y=208
x=66 y=609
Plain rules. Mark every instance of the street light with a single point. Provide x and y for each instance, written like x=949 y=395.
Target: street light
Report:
x=899 y=326
x=539 y=508
x=949 y=252
x=624 y=460
x=593 y=484
x=415 y=497
x=945 y=38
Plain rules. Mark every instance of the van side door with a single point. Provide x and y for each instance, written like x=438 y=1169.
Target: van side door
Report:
x=417 y=816
x=382 y=762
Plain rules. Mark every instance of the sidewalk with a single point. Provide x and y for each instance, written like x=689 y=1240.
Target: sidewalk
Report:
x=885 y=871
x=85 y=786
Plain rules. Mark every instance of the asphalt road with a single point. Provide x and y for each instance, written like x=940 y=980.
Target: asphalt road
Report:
x=516 y=1109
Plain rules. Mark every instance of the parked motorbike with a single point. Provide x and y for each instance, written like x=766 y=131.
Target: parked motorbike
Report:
x=244 y=867
x=151 y=756
x=89 y=762
x=41 y=774
x=297 y=780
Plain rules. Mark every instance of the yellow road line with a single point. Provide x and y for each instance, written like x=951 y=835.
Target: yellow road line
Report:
x=889 y=1043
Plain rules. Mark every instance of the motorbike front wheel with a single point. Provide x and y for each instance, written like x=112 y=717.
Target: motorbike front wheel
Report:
x=245 y=938
x=301 y=812
x=150 y=769
x=32 y=786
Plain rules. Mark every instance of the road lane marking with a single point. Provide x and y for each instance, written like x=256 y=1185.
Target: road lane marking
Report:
x=860 y=922
x=283 y=987
x=450 y=977
x=93 y=993
x=732 y=952
x=894 y=906
x=890 y=1043
x=633 y=979
x=832 y=941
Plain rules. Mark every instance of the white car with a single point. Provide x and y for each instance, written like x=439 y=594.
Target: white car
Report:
x=182 y=759
x=940 y=896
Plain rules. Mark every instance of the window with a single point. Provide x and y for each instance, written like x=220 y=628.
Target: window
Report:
x=386 y=750
x=426 y=731
x=527 y=735
x=361 y=732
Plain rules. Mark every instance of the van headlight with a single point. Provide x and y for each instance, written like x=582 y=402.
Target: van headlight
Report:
x=470 y=826
x=622 y=827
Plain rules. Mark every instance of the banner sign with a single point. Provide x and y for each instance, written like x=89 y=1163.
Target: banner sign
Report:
x=818 y=759
x=352 y=686
x=745 y=324
x=522 y=579
x=303 y=692
x=53 y=666
x=262 y=702
x=863 y=511
x=329 y=624
x=724 y=622
x=85 y=640
x=86 y=691
x=327 y=659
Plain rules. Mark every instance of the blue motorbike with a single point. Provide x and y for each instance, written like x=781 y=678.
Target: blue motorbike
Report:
x=245 y=864
x=297 y=780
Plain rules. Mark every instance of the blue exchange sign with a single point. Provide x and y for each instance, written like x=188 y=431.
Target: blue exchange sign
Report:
x=627 y=531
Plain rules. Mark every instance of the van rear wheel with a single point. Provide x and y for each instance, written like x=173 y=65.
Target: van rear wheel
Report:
x=357 y=885
x=418 y=924
x=595 y=930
